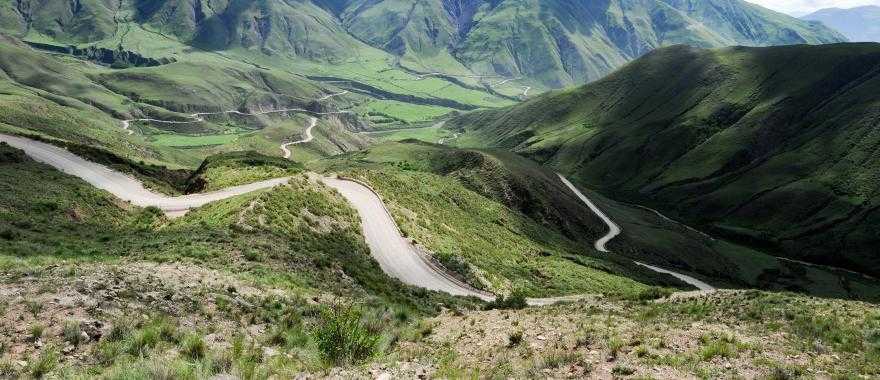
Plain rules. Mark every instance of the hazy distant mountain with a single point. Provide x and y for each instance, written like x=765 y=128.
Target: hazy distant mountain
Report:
x=861 y=24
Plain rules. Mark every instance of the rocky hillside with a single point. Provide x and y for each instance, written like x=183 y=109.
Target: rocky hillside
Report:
x=291 y=27
x=546 y=43
x=774 y=147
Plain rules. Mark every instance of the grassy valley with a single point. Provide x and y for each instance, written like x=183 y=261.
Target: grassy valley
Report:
x=750 y=169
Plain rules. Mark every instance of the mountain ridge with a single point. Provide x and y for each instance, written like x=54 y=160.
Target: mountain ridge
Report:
x=768 y=146
x=549 y=44
x=859 y=24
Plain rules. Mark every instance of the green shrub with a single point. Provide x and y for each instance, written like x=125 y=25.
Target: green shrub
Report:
x=614 y=346
x=718 y=345
x=649 y=294
x=342 y=338
x=156 y=331
x=622 y=370
x=515 y=339
x=72 y=332
x=193 y=347
x=44 y=363
x=515 y=301
x=120 y=330
x=36 y=332
x=34 y=307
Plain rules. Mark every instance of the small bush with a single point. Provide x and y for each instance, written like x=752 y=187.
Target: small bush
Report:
x=193 y=347
x=515 y=339
x=343 y=338
x=156 y=331
x=515 y=301
x=34 y=307
x=72 y=332
x=614 y=346
x=36 y=332
x=718 y=345
x=622 y=370
x=44 y=363
x=651 y=293
x=120 y=330
x=561 y=358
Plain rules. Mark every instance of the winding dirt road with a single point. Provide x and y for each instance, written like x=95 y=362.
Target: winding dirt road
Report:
x=313 y=121
x=395 y=254
x=614 y=230
x=124 y=186
x=199 y=116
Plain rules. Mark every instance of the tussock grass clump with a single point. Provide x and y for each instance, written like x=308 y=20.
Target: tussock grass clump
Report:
x=44 y=363
x=36 y=332
x=719 y=345
x=343 y=337
x=72 y=332
x=193 y=346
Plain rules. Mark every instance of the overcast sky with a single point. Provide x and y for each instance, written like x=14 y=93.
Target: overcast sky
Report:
x=802 y=7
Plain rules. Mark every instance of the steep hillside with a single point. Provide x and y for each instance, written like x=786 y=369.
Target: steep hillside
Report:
x=859 y=24
x=514 y=222
x=291 y=27
x=774 y=147
x=557 y=43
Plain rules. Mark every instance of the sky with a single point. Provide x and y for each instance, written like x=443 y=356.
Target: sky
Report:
x=803 y=7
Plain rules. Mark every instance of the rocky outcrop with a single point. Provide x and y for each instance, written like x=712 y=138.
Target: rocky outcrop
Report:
x=114 y=58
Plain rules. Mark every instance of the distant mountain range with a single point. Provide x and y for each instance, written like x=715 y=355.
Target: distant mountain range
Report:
x=547 y=43
x=561 y=42
x=861 y=24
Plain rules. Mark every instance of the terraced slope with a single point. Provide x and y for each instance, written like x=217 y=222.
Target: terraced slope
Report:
x=774 y=147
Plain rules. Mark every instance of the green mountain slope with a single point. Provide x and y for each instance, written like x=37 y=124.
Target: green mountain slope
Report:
x=776 y=147
x=557 y=43
x=514 y=222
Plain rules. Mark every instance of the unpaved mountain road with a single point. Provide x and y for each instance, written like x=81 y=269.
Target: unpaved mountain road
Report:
x=124 y=186
x=614 y=230
x=313 y=121
x=199 y=117
x=394 y=253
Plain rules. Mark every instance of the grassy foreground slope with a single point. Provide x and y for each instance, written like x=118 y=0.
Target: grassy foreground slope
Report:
x=740 y=334
x=774 y=147
x=96 y=286
x=279 y=284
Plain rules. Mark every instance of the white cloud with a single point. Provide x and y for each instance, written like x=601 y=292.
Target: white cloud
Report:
x=802 y=7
